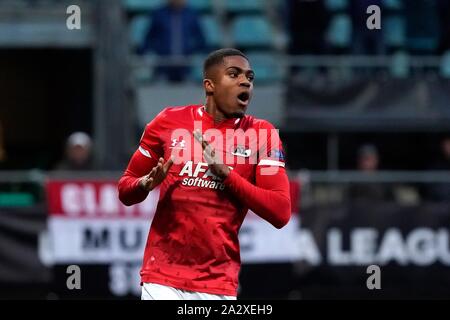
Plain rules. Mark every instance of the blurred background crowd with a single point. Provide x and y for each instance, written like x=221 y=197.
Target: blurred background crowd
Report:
x=364 y=114
x=335 y=88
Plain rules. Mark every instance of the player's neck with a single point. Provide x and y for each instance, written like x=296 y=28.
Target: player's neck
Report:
x=214 y=112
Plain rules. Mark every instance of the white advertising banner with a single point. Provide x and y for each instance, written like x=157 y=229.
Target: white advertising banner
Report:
x=88 y=224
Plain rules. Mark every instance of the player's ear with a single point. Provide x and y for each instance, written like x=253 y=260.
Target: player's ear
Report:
x=208 y=84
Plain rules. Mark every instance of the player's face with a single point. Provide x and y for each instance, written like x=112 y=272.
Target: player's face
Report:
x=233 y=86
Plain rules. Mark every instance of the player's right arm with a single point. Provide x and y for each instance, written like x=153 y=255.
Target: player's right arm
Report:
x=147 y=168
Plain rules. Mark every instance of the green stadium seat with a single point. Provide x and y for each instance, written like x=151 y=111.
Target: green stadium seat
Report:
x=149 y=5
x=212 y=31
x=339 y=33
x=197 y=68
x=142 y=5
x=400 y=66
x=138 y=27
x=251 y=32
x=394 y=29
x=336 y=5
x=247 y=6
x=445 y=65
x=201 y=5
x=266 y=66
x=393 y=4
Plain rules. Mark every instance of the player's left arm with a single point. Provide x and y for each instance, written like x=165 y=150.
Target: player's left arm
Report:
x=269 y=197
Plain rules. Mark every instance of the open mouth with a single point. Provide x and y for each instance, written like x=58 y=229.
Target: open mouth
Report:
x=244 y=97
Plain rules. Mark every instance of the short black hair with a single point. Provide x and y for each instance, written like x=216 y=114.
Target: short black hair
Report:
x=216 y=57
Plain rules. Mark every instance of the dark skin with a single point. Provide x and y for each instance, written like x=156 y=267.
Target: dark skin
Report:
x=156 y=175
x=228 y=87
x=223 y=85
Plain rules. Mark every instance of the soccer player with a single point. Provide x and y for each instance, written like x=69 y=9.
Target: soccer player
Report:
x=208 y=182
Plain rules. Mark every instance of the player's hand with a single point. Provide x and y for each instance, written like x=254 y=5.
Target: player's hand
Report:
x=218 y=169
x=156 y=175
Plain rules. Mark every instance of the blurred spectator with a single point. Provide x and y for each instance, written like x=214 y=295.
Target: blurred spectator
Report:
x=175 y=32
x=368 y=162
x=78 y=153
x=365 y=41
x=368 y=158
x=441 y=191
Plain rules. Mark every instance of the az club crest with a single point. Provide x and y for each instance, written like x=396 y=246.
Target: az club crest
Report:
x=240 y=151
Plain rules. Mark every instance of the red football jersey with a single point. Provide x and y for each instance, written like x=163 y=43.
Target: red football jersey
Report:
x=193 y=240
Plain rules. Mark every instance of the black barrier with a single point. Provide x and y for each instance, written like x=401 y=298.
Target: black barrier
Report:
x=22 y=273
x=409 y=246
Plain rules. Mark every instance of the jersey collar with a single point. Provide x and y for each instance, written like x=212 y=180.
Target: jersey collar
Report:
x=205 y=116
